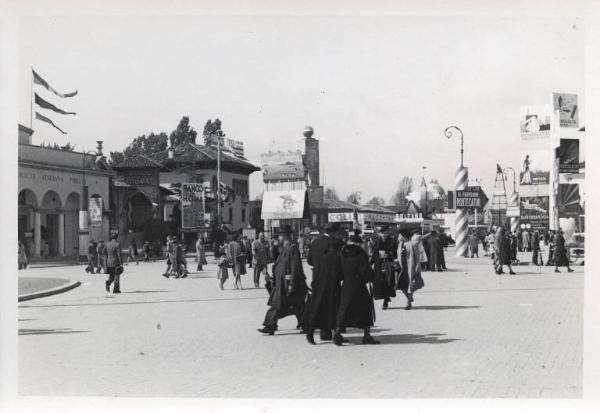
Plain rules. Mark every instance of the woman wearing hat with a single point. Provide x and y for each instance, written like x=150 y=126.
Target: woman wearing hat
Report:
x=356 y=304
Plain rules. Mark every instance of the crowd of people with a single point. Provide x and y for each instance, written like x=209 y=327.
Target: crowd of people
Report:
x=349 y=273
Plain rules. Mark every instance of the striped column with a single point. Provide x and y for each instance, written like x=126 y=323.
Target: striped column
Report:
x=462 y=216
x=514 y=221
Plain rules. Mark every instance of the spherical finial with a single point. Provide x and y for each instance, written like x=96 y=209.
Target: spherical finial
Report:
x=308 y=132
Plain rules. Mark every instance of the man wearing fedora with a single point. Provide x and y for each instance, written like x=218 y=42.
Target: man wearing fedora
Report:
x=289 y=284
x=114 y=264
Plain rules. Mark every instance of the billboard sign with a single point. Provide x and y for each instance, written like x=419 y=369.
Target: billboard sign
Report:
x=535 y=213
x=535 y=122
x=535 y=168
x=566 y=106
x=568 y=156
x=192 y=206
x=471 y=198
x=340 y=217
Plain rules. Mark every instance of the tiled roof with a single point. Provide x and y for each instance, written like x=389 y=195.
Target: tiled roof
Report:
x=195 y=154
x=137 y=162
x=337 y=204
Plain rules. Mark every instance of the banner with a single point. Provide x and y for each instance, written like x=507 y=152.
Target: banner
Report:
x=535 y=121
x=535 y=213
x=37 y=79
x=566 y=105
x=568 y=156
x=95 y=210
x=38 y=116
x=192 y=207
x=535 y=168
x=284 y=204
x=47 y=105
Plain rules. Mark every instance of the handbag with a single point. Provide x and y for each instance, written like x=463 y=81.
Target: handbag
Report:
x=119 y=269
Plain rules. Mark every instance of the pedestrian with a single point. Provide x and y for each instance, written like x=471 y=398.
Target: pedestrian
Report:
x=101 y=256
x=233 y=253
x=260 y=257
x=146 y=250
x=321 y=307
x=502 y=244
x=248 y=250
x=444 y=242
x=525 y=241
x=473 y=240
x=222 y=264
x=92 y=256
x=243 y=257
x=410 y=279
x=114 y=264
x=561 y=258
x=356 y=302
x=22 y=257
x=435 y=252
x=289 y=284
x=551 y=248
x=536 y=258
x=489 y=241
x=200 y=253
x=181 y=270
x=384 y=279
x=133 y=252
x=170 y=248
x=275 y=248
x=519 y=240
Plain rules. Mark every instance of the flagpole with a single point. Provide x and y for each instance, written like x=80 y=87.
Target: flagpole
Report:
x=31 y=102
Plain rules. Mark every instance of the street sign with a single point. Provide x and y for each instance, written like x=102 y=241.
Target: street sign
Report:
x=471 y=198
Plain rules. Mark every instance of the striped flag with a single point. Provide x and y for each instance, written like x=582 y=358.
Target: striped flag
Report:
x=47 y=105
x=37 y=79
x=45 y=119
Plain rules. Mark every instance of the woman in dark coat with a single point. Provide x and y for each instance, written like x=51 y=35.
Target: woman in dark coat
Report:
x=384 y=279
x=356 y=304
x=503 y=251
x=560 y=252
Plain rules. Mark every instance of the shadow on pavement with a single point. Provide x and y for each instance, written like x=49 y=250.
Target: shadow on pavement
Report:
x=413 y=339
x=143 y=302
x=27 y=319
x=42 y=331
x=143 y=292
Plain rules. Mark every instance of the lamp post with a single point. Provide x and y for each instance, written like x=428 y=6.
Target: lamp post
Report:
x=460 y=181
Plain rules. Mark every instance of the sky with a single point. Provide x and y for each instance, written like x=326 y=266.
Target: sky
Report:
x=378 y=91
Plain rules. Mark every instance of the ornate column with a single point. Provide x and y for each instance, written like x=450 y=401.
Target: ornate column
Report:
x=61 y=233
x=37 y=233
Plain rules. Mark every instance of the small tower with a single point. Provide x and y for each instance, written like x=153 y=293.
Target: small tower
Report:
x=499 y=202
x=423 y=197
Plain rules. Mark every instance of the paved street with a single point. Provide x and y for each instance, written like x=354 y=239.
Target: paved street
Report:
x=471 y=334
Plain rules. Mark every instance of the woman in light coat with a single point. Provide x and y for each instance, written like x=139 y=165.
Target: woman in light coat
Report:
x=200 y=255
x=414 y=254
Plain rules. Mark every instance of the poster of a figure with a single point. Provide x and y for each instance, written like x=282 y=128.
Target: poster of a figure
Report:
x=535 y=168
x=566 y=105
x=568 y=155
x=535 y=213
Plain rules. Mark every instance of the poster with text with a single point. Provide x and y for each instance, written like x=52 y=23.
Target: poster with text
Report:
x=95 y=209
x=536 y=121
x=568 y=155
x=566 y=105
x=535 y=213
x=535 y=167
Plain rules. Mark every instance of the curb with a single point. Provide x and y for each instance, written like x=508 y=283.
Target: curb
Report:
x=51 y=291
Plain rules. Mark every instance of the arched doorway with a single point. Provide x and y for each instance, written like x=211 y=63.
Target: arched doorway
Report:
x=72 y=224
x=52 y=225
x=28 y=204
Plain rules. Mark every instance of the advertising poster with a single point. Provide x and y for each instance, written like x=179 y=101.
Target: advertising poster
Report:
x=192 y=206
x=566 y=105
x=95 y=210
x=535 y=122
x=568 y=156
x=569 y=200
x=535 y=213
x=535 y=168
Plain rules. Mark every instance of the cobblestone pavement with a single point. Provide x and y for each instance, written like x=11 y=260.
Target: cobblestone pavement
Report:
x=471 y=333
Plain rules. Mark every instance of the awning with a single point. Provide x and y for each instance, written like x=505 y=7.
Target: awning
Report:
x=285 y=205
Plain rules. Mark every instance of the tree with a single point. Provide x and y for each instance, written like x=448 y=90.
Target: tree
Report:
x=376 y=201
x=116 y=157
x=354 y=198
x=331 y=193
x=183 y=134
x=405 y=187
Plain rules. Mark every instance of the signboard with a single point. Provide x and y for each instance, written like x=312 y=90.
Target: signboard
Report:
x=568 y=156
x=192 y=206
x=340 y=217
x=535 y=122
x=95 y=210
x=471 y=198
x=513 y=211
x=284 y=204
x=566 y=106
x=366 y=217
x=535 y=168
x=281 y=158
x=534 y=213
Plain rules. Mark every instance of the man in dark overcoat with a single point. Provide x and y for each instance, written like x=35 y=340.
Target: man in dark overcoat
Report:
x=561 y=258
x=322 y=305
x=289 y=289
x=536 y=259
x=435 y=252
x=384 y=278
